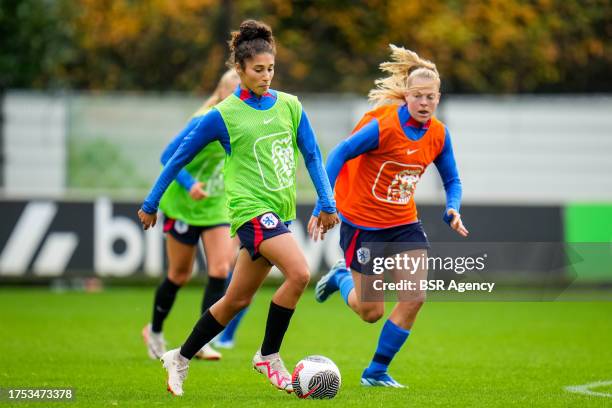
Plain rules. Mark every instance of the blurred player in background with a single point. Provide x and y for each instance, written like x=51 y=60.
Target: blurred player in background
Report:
x=194 y=208
x=375 y=172
x=261 y=131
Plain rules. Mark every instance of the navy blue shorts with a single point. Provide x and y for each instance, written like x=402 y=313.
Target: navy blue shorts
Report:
x=185 y=233
x=252 y=233
x=357 y=253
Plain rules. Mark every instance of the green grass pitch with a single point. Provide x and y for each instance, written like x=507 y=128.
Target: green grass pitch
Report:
x=495 y=354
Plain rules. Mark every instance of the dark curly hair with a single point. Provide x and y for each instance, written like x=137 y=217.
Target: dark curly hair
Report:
x=253 y=38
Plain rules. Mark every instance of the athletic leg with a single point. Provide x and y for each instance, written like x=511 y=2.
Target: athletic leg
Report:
x=180 y=262
x=396 y=329
x=248 y=277
x=220 y=253
x=282 y=251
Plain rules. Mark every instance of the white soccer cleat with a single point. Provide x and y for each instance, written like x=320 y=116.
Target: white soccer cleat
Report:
x=273 y=368
x=208 y=353
x=382 y=380
x=177 y=367
x=155 y=342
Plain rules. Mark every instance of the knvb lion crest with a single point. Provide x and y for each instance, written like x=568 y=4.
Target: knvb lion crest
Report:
x=402 y=187
x=275 y=157
x=180 y=227
x=282 y=157
x=269 y=221
x=363 y=255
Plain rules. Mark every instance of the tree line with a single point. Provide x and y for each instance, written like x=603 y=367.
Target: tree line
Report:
x=479 y=46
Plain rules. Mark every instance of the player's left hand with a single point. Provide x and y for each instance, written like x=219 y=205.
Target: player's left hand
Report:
x=457 y=224
x=313 y=230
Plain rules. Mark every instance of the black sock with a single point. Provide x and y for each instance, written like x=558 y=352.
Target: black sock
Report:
x=204 y=330
x=214 y=291
x=164 y=299
x=278 y=321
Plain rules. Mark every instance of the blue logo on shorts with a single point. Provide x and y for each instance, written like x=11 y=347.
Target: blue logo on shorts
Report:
x=269 y=221
x=363 y=255
x=181 y=227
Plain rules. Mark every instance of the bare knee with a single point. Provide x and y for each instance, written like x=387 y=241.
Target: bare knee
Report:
x=372 y=315
x=299 y=278
x=412 y=306
x=179 y=276
x=219 y=269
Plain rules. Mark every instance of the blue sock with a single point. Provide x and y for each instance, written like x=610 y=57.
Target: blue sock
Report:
x=230 y=330
x=391 y=339
x=345 y=283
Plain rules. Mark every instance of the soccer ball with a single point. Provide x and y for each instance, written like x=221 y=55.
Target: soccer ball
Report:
x=316 y=377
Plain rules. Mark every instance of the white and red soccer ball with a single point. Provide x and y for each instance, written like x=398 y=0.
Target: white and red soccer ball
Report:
x=316 y=377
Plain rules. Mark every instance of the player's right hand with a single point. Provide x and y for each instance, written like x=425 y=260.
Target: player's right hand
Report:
x=318 y=226
x=147 y=220
x=197 y=191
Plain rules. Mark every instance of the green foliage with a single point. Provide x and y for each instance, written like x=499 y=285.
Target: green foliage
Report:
x=491 y=46
x=32 y=43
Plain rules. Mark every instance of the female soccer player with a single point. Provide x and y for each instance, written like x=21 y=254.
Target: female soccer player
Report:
x=260 y=130
x=194 y=208
x=375 y=172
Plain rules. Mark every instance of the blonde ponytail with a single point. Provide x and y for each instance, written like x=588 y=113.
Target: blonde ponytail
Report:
x=405 y=65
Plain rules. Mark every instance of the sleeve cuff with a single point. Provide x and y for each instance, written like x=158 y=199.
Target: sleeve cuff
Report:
x=328 y=208
x=446 y=217
x=148 y=208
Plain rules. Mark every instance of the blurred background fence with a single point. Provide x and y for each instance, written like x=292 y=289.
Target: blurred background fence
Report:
x=76 y=166
x=91 y=91
x=510 y=149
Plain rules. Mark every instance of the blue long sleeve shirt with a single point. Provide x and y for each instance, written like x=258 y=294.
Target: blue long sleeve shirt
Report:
x=211 y=127
x=367 y=139
x=184 y=178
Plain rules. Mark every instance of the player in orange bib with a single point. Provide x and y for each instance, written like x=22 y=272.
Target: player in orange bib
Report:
x=375 y=173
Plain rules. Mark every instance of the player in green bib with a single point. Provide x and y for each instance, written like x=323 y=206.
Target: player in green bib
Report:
x=261 y=131
x=194 y=208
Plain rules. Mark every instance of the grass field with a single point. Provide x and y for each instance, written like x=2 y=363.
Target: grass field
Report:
x=459 y=354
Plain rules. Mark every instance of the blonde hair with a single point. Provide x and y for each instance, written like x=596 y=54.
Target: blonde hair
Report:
x=226 y=85
x=405 y=65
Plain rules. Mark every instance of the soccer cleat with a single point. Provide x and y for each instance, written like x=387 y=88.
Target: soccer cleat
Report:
x=380 y=380
x=177 y=367
x=224 y=344
x=326 y=285
x=208 y=353
x=156 y=345
x=273 y=368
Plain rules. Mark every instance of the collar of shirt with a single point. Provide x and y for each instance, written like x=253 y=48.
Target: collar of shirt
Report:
x=406 y=120
x=263 y=102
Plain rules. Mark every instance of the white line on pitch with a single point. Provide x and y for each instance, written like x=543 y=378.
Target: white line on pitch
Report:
x=586 y=389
